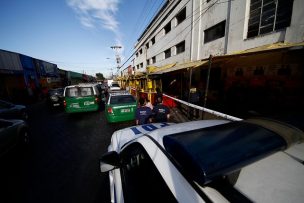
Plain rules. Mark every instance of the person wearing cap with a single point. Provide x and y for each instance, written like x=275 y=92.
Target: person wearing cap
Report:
x=143 y=113
x=161 y=111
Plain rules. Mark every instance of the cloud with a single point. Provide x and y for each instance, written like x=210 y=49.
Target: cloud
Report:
x=93 y=13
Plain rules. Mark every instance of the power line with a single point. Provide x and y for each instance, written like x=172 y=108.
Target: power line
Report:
x=155 y=12
x=194 y=13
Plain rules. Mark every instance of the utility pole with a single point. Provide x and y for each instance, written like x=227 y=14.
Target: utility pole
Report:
x=118 y=60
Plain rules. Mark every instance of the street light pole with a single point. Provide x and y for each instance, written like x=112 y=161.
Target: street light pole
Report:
x=116 y=49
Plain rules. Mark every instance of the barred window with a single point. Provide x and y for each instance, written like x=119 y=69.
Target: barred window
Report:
x=268 y=15
x=215 y=32
x=181 y=16
x=180 y=47
x=167 y=53
x=153 y=59
x=167 y=28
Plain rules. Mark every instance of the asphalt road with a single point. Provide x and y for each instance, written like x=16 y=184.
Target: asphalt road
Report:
x=62 y=162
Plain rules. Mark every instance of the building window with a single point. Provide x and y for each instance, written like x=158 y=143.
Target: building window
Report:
x=137 y=66
x=147 y=45
x=268 y=15
x=136 y=54
x=215 y=32
x=148 y=61
x=167 y=53
x=153 y=40
x=141 y=65
x=167 y=28
x=180 y=47
x=153 y=59
x=181 y=16
x=140 y=51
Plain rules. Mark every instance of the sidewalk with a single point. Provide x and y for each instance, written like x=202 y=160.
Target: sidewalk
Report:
x=177 y=116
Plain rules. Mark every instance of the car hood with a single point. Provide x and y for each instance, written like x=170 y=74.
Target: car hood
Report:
x=156 y=131
x=123 y=136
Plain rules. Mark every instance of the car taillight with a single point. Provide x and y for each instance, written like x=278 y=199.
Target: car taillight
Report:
x=96 y=100
x=110 y=110
x=64 y=103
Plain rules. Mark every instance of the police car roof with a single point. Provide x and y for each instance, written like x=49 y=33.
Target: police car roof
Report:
x=208 y=153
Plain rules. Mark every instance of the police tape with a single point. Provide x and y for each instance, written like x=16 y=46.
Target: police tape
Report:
x=216 y=113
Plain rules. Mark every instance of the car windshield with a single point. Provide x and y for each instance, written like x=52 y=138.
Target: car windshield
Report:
x=115 y=85
x=79 y=92
x=122 y=99
x=56 y=91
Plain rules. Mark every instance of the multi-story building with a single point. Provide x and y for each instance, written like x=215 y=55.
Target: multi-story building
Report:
x=190 y=30
x=256 y=47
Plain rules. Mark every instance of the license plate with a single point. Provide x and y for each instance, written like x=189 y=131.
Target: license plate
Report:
x=56 y=104
x=75 y=105
x=88 y=103
x=125 y=110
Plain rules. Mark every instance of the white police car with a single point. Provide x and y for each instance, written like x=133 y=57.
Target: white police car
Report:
x=207 y=161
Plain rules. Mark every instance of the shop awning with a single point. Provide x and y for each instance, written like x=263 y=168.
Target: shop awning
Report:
x=270 y=47
x=139 y=75
x=175 y=67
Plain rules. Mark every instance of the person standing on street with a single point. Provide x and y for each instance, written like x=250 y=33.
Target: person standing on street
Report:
x=161 y=111
x=159 y=94
x=143 y=114
x=148 y=103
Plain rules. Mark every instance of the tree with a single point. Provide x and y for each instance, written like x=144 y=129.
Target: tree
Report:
x=100 y=76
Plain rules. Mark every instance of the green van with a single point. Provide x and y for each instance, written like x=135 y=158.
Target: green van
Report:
x=81 y=98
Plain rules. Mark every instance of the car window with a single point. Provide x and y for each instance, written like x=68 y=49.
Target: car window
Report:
x=141 y=180
x=115 y=85
x=79 y=92
x=122 y=99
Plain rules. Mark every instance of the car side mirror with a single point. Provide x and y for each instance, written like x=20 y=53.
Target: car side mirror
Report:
x=109 y=161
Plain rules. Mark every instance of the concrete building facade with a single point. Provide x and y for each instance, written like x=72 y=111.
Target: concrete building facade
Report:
x=191 y=30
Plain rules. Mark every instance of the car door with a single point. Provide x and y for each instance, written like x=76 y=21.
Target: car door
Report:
x=141 y=180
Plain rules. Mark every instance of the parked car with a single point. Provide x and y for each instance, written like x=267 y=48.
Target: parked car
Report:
x=55 y=97
x=81 y=98
x=114 y=86
x=120 y=106
x=9 y=110
x=13 y=133
x=258 y=160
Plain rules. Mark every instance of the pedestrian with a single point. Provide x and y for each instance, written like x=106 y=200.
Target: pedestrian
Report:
x=161 y=111
x=194 y=98
x=143 y=114
x=159 y=94
x=148 y=103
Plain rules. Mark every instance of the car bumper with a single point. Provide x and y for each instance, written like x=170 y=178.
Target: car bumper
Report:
x=79 y=110
x=115 y=119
